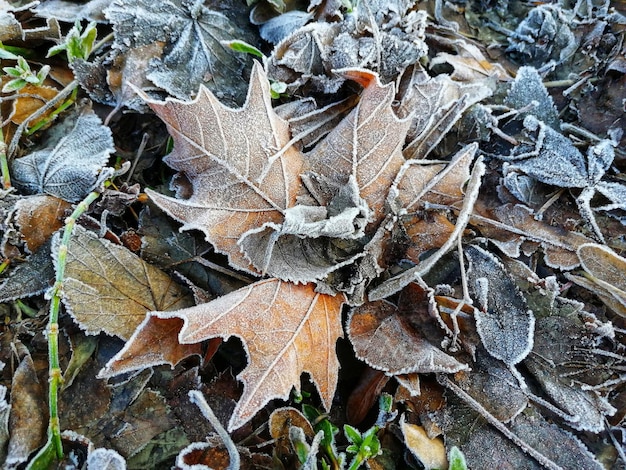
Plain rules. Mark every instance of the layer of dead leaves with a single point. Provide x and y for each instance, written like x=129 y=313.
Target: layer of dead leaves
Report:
x=415 y=213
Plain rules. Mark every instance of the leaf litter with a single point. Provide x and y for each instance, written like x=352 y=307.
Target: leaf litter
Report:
x=377 y=198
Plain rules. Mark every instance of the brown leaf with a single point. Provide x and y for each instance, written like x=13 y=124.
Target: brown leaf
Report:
x=510 y=226
x=28 y=416
x=38 y=217
x=366 y=145
x=607 y=272
x=243 y=172
x=286 y=329
x=385 y=340
x=108 y=288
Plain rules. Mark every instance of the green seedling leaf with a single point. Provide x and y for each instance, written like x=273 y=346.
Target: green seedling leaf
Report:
x=353 y=435
x=238 y=45
x=456 y=459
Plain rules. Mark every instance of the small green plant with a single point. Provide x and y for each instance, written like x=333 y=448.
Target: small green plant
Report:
x=78 y=43
x=21 y=74
x=366 y=445
x=456 y=459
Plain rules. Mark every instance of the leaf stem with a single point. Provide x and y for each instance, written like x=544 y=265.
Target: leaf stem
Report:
x=4 y=163
x=54 y=447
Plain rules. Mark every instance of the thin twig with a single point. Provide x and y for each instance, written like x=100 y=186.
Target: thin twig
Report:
x=535 y=454
x=64 y=93
x=198 y=399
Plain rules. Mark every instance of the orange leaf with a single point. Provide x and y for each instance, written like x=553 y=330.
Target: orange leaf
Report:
x=286 y=329
x=243 y=172
x=366 y=145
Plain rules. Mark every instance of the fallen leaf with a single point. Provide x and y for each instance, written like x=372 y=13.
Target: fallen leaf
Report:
x=528 y=89
x=366 y=145
x=38 y=217
x=605 y=270
x=108 y=288
x=193 y=54
x=70 y=162
x=5 y=410
x=384 y=339
x=430 y=452
x=286 y=329
x=510 y=226
x=561 y=369
x=469 y=63
x=28 y=416
x=238 y=183
x=504 y=322
x=32 y=277
x=106 y=459
x=434 y=105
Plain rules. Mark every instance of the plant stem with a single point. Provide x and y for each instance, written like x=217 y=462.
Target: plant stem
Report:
x=4 y=163
x=54 y=447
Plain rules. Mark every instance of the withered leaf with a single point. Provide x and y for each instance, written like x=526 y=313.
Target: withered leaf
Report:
x=70 y=162
x=5 y=410
x=528 y=87
x=106 y=459
x=504 y=322
x=28 y=416
x=559 y=363
x=607 y=271
x=286 y=329
x=32 y=277
x=430 y=451
x=366 y=145
x=509 y=226
x=384 y=339
x=240 y=179
x=38 y=217
x=193 y=52
x=108 y=288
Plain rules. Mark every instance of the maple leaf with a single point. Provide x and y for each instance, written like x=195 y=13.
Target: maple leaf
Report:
x=240 y=179
x=286 y=328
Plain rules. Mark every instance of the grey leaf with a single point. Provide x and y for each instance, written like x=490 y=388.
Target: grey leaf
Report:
x=504 y=322
x=70 y=161
x=30 y=278
x=558 y=357
x=105 y=459
x=193 y=54
x=552 y=159
x=615 y=192
x=279 y=27
x=527 y=88
x=304 y=247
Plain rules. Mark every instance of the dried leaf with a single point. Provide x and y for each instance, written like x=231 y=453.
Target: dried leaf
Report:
x=469 y=63
x=105 y=459
x=509 y=226
x=5 y=410
x=28 y=416
x=32 y=277
x=366 y=145
x=504 y=322
x=434 y=104
x=286 y=330
x=108 y=288
x=38 y=217
x=430 y=452
x=70 y=162
x=605 y=269
x=385 y=340
x=559 y=351
x=238 y=183
x=193 y=54
x=527 y=89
